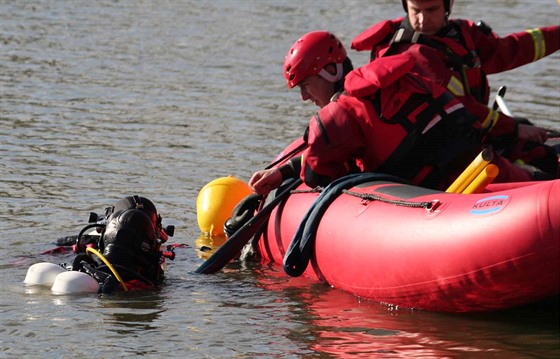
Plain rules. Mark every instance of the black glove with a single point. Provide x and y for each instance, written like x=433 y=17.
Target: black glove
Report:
x=242 y=213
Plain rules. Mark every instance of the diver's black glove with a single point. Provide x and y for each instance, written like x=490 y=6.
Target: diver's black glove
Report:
x=242 y=213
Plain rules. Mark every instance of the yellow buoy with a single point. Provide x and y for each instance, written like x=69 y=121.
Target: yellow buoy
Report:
x=216 y=201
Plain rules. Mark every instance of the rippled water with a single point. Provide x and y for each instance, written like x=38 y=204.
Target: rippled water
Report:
x=104 y=99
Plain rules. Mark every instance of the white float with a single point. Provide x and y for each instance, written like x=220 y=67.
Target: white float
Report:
x=73 y=282
x=43 y=273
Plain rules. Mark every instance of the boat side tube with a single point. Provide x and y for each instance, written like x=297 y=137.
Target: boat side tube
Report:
x=299 y=252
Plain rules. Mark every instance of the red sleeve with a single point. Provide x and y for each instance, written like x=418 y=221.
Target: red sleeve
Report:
x=499 y=123
x=499 y=54
x=335 y=139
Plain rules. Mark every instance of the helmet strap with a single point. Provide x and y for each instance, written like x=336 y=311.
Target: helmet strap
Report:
x=330 y=77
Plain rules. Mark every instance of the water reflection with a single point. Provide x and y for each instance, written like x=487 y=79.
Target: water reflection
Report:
x=126 y=311
x=132 y=312
x=339 y=324
x=206 y=245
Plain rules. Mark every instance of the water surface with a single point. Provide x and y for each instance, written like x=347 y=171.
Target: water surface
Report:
x=104 y=99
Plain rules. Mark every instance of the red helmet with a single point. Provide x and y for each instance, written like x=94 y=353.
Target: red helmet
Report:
x=448 y=4
x=310 y=54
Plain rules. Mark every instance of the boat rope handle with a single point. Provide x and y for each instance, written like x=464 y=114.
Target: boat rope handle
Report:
x=317 y=189
x=113 y=270
x=402 y=203
x=373 y=197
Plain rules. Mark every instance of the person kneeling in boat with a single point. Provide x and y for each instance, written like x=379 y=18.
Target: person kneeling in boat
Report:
x=459 y=54
x=388 y=120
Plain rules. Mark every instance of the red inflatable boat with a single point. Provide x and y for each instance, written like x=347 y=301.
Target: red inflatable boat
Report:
x=412 y=247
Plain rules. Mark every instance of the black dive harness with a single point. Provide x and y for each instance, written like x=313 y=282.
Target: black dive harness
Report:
x=471 y=60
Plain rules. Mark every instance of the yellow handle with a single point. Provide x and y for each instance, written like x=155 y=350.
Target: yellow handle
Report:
x=470 y=173
x=484 y=178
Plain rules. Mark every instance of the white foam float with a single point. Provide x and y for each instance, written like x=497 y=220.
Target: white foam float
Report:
x=73 y=282
x=43 y=273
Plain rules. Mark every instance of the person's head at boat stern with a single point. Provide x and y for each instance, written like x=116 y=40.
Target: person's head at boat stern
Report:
x=427 y=16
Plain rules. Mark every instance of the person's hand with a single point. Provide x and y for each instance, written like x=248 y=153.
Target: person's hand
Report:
x=531 y=133
x=262 y=182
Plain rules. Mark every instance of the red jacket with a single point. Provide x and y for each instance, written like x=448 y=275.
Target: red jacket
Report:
x=482 y=51
x=393 y=121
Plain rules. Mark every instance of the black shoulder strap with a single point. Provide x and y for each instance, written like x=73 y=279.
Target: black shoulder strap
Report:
x=405 y=35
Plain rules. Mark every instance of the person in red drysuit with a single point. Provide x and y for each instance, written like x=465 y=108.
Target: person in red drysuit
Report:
x=459 y=54
x=389 y=119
